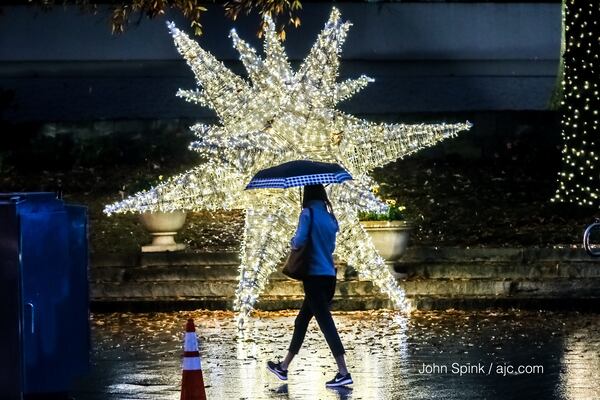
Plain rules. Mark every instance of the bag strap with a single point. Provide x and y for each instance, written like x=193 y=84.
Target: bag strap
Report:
x=310 y=224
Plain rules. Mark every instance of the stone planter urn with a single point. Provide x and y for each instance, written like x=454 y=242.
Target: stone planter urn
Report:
x=163 y=226
x=390 y=238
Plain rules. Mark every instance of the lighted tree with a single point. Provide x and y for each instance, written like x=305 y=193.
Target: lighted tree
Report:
x=282 y=115
x=579 y=178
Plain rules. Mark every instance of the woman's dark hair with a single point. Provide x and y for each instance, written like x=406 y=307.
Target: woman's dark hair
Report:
x=316 y=192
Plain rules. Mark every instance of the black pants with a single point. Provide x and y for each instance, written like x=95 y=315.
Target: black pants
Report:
x=318 y=293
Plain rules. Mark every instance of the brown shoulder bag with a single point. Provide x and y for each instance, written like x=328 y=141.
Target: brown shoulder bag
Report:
x=296 y=265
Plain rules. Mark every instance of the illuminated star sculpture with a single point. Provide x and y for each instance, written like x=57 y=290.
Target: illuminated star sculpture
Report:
x=281 y=115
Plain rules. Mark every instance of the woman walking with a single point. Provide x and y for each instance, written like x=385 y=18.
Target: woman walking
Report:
x=317 y=228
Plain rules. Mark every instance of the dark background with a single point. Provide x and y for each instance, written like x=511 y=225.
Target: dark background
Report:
x=95 y=116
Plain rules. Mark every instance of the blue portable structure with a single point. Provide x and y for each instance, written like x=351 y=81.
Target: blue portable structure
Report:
x=44 y=296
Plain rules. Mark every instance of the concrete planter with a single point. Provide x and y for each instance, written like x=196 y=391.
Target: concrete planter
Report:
x=390 y=238
x=163 y=226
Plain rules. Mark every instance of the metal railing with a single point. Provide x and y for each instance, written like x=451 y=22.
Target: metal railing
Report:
x=594 y=252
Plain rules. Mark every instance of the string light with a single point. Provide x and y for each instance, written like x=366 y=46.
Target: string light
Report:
x=578 y=181
x=279 y=116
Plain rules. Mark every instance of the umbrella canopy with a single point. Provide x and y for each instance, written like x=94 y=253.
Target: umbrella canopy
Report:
x=298 y=173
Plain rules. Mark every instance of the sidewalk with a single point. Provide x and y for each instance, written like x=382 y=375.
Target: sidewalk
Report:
x=137 y=356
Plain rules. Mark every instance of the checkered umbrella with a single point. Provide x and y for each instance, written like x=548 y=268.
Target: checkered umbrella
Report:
x=298 y=173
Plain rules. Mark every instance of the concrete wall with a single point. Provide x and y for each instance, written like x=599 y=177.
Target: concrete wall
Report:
x=438 y=278
x=425 y=57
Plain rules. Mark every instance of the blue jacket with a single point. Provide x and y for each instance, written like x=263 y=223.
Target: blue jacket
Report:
x=324 y=229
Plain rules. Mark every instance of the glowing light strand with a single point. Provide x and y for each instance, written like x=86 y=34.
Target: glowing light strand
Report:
x=278 y=116
x=579 y=179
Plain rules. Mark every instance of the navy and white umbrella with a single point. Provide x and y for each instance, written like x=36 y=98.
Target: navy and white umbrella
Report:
x=298 y=173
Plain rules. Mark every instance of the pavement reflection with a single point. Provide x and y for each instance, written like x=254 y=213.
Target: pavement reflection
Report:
x=427 y=355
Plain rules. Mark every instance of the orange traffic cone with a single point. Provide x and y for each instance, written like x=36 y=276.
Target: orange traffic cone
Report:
x=192 y=383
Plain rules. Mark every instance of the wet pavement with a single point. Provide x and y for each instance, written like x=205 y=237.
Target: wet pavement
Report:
x=427 y=355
